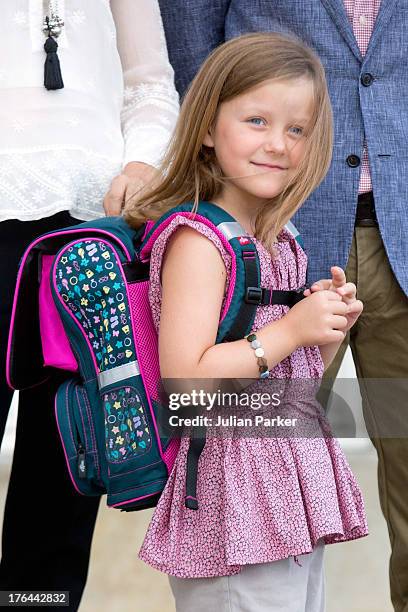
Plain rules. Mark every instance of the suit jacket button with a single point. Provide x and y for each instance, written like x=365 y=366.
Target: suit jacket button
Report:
x=367 y=79
x=353 y=161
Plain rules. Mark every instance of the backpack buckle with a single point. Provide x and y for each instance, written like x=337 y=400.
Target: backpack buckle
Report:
x=254 y=295
x=299 y=294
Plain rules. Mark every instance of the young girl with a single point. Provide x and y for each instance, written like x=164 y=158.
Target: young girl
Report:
x=254 y=137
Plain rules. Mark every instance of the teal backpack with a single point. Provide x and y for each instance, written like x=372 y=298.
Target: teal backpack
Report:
x=81 y=305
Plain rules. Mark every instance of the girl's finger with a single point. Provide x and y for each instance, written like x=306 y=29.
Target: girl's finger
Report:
x=349 y=290
x=321 y=285
x=355 y=307
x=338 y=276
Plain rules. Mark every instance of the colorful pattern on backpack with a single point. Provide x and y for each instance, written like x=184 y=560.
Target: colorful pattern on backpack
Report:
x=88 y=280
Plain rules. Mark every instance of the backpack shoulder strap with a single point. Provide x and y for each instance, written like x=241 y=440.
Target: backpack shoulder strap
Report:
x=239 y=312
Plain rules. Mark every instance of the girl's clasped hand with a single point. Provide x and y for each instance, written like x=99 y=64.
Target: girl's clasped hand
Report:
x=347 y=291
x=330 y=309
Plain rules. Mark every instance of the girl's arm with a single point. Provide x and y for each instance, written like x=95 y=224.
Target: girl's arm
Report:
x=193 y=285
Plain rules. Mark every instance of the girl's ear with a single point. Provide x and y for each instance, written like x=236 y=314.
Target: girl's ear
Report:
x=208 y=140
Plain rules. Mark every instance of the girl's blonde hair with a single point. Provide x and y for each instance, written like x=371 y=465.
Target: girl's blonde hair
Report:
x=190 y=171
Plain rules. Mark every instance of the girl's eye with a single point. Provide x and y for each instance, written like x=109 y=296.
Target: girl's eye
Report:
x=297 y=131
x=257 y=121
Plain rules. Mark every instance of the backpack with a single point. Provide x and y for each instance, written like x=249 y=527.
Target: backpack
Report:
x=81 y=305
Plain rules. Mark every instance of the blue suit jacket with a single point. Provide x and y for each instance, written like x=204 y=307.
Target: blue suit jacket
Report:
x=378 y=111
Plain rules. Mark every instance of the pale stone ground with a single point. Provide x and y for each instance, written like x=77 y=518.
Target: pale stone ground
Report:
x=356 y=572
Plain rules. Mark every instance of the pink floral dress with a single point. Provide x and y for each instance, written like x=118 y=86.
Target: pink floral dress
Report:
x=260 y=499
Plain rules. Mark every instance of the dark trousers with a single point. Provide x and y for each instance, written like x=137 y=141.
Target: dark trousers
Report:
x=48 y=526
x=379 y=344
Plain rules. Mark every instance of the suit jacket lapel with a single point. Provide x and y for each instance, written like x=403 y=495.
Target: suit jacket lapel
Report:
x=337 y=12
x=384 y=14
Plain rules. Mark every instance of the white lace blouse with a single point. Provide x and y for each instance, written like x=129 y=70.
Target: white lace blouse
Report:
x=59 y=150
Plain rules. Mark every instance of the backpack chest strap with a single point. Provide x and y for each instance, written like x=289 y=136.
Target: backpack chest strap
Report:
x=253 y=295
x=260 y=296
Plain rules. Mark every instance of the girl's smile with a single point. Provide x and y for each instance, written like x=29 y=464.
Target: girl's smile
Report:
x=269 y=166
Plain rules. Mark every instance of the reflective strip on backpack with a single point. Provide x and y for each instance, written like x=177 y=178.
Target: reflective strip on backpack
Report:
x=231 y=229
x=120 y=373
x=296 y=235
x=291 y=228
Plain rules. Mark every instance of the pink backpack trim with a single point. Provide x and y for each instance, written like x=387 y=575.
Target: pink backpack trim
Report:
x=145 y=251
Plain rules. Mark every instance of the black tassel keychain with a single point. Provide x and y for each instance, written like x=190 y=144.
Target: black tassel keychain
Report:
x=52 y=70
